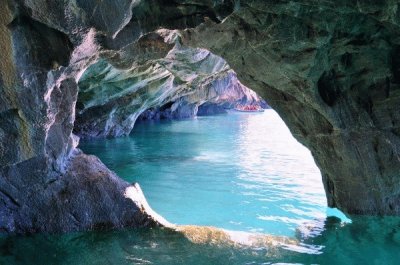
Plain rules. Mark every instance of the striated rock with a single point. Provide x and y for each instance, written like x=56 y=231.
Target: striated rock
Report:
x=216 y=93
x=165 y=78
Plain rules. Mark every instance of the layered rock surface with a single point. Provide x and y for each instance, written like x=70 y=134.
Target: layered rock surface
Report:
x=111 y=99
x=218 y=93
x=331 y=70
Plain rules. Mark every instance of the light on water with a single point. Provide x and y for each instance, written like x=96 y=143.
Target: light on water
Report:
x=241 y=172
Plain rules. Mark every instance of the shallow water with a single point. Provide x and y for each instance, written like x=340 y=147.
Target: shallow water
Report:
x=241 y=172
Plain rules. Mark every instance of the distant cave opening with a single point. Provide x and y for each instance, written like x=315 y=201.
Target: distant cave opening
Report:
x=179 y=84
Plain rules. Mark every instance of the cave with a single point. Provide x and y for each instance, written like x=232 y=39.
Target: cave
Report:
x=329 y=69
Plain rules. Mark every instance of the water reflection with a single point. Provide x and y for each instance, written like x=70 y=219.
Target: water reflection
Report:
x=366 y=240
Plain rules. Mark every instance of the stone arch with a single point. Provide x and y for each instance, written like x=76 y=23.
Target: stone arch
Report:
x=331 y=71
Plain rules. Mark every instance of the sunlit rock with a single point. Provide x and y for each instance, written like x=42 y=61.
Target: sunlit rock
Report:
x=216 y=236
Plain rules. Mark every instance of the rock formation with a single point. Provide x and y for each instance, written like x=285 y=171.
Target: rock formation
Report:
x=330 y=69
x=217 y=93
x=173 y=86
x=46 y=184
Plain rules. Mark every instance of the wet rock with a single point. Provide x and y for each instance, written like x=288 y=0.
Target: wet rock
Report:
x=87 y=197
x=221 y=237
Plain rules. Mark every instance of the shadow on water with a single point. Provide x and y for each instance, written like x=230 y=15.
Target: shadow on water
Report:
x=367 y=240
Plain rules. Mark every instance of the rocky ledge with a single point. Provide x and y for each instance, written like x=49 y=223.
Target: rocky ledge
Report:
x=88 y=196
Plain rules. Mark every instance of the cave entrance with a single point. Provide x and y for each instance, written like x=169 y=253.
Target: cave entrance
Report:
x=238 y=170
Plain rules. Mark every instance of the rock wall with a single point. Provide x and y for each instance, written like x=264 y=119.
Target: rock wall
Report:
x=215 y=95
x=331 y=70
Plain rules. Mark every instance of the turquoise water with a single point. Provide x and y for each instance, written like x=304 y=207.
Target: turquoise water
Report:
x=240 y=172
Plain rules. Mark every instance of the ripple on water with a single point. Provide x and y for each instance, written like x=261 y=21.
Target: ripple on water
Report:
x=240 y=172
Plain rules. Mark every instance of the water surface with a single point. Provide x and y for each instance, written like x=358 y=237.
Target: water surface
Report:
x=240 y=171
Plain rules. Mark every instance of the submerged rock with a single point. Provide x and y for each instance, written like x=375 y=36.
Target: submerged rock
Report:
x=222 y=237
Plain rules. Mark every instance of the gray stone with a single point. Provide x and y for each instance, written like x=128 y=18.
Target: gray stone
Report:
x=87 y=197
x=331 y=72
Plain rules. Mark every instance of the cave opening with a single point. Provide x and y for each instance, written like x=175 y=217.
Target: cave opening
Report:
x=198 y=157
x=237 y=171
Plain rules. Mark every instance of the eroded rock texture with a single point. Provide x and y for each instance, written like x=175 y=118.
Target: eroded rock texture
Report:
x=331 y=71
x=111 y=99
